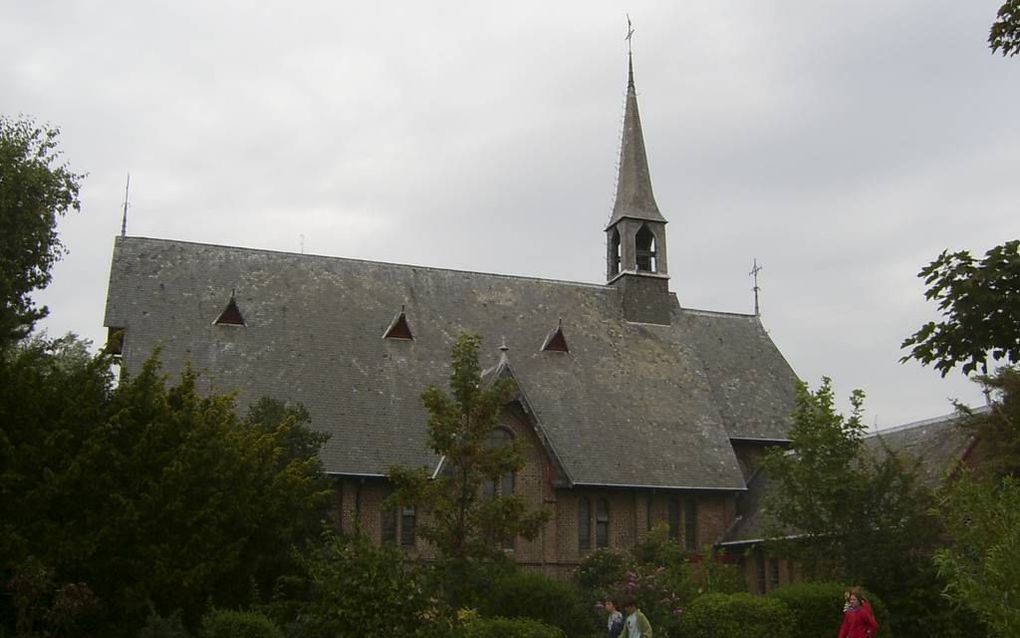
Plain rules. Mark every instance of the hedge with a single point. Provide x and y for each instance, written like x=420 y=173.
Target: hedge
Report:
x=223 y=623
x=736 y=616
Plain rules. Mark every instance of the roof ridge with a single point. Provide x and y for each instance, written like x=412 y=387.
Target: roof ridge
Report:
x=945 y=418
x=567 y=282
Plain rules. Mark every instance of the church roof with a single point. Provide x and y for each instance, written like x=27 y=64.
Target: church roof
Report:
x=634 y=197
x=629 y=404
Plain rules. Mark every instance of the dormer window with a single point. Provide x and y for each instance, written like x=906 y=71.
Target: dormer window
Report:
x=555 y=341
x=645 y=241
x=399 y=328
x=231 y=315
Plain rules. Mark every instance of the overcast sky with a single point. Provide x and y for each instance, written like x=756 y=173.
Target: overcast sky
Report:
x=842 y=143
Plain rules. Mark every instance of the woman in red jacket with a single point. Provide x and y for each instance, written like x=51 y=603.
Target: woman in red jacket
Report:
x=858 y=621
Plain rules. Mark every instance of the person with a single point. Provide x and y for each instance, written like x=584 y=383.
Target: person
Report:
x=614 y=624
x=636 y=624
x=858 y=621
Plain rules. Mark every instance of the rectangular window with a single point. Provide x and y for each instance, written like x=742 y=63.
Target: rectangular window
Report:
x=407 y=524
x=673 y=518
x=602 y=523
x=691 y=525
x=389 y=525
x=773 y=573
x=583 y=524
x=759 y=559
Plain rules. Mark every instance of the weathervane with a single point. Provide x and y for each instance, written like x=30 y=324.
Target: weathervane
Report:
x=630 y=34
x=754 y=273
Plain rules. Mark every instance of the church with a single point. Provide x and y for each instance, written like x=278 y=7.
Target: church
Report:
x=632 y=409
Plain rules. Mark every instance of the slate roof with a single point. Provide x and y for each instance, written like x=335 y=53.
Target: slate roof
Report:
x=938 y=444
x=630 y=404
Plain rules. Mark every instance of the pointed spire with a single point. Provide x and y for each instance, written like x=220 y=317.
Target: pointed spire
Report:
x=634 y=196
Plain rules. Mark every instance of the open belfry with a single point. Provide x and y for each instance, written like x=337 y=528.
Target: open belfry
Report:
x=633 y=410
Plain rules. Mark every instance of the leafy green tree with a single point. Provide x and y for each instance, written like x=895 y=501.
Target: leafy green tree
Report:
x=35 y=189
x=980 y=304
x=850 y=515
x=463 y=524
x=145 y=491
x=980 y=563
x=1004 y=36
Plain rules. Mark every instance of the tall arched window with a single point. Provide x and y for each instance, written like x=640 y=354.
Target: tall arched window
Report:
x=504 y=485
x=614 y=252
x=583 y=524
x=602 y=523
x=691 y=524
x=673 y=518
x=645 y=241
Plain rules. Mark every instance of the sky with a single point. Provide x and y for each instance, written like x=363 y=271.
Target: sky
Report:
x=843 y=144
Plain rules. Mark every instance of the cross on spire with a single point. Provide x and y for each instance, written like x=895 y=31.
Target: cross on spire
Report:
x=754 y=273
x=630 y=34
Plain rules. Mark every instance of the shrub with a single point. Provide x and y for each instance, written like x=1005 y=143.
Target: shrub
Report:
x=554 y=602
x=225 y=623
x=157 y=626
x=510 y=628
x=817 y=608
x=601 y=569
x=736 y=616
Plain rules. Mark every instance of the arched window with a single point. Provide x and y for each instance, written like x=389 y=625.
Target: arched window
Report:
x=602 y=523
x=504 y=485
x=645 y=240
x=583 y=524
x=614 y=252
x=398 y=524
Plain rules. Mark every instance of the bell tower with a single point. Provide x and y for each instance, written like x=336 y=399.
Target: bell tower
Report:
x=636 y=235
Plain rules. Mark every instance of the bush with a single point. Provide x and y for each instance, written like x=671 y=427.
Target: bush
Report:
x=157 y=626
x=817 y=608
x=557 y=603
x=225 y=623
x=601 y=569
x=510 y=628
x=736 y=616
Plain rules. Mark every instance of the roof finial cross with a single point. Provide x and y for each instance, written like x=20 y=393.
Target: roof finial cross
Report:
x=630 y=34
x=503 y=347
x=123 y=219
x=754 y=273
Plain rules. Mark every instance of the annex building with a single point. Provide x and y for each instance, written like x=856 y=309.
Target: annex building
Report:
x=632 y=408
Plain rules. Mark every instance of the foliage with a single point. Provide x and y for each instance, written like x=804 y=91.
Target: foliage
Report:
x=736 y=616
x=603 y=568
x=356 y=588
x=226 y=623
x=43 y=607
x=998 y=429
x=461 y=523
x=983 y=520
x=510 y=628
x=846 y=513
x=1004 y=35
x=157 y=626
x=35 y=189
x=144 y=492
x=554 y=602
x=816 y=607
x=980 y=304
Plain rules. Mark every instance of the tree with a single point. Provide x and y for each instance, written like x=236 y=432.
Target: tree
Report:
x=35 y=189
x=463 y=524
x=845 y=513
x=980 y=303
x=146 y=491
x=1004 y=35
x=980 y=564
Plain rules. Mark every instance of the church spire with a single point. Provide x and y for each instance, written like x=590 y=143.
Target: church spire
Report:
x=634 y=198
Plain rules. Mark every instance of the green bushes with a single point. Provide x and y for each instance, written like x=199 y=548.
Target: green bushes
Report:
x=554 y=602
x=736 y=616
x=510 y=628
x=817 y=608
x=224 y=623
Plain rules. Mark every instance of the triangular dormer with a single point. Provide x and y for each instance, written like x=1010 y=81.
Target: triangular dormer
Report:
x=231 y=315
x=399 y=328
x=555 y=341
